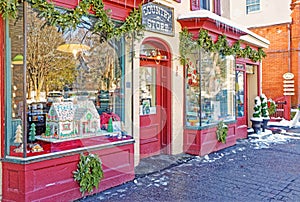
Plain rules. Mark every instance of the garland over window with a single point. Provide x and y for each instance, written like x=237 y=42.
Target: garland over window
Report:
x=187 y=43
x=104 y=25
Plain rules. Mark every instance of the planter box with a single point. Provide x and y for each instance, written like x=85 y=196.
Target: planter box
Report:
x=202 y=142
x=51 y=179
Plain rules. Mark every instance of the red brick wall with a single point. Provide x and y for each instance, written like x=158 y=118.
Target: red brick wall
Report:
x=278 y=54
x=276 y=62
x=295 y=47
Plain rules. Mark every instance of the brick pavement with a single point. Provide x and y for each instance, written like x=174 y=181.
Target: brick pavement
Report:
x=244 y=172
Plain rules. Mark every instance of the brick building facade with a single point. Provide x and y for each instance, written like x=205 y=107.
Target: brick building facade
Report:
x=282 y=55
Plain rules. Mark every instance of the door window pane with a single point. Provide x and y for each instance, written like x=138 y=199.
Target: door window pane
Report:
x=147 y=90
x=240 y=93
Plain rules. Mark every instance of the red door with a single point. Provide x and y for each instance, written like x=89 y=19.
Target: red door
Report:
x=155 y=103
x=241 y=105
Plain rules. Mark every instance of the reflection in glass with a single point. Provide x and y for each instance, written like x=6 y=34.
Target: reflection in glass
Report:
x=209 y=88
x=74 y=82
x=240 y=93
x=147 y=90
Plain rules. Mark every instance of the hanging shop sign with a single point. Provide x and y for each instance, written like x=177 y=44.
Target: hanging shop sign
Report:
x=158 y=18
x=288 y=84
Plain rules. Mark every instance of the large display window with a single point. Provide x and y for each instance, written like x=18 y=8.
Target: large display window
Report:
x=210 y=88
x=64 y=90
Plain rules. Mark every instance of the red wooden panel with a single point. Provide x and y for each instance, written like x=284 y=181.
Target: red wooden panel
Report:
x=66 y=4
x=149 y=132
x=13 y=179
x=52 y=180
x=207 y=140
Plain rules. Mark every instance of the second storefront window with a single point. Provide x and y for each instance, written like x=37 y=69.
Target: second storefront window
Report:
x=210 y=88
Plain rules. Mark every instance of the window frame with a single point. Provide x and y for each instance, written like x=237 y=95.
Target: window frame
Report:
x=194 y=111
x=252 y=5
x=9 y=120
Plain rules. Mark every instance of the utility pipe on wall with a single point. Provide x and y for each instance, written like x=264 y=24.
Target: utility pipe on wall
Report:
x=289 y=47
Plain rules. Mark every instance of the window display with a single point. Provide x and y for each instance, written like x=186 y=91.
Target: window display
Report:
x=210 y=88
x=71 y=87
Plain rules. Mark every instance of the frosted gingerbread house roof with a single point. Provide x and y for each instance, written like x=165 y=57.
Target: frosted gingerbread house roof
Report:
x=81 y=107
x=68 y=111
x=62 y=111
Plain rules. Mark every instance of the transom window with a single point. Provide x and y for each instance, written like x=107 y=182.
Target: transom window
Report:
x=252 y=6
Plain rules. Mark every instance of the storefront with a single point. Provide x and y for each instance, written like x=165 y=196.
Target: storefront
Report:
x=65 y=89
x=91 y=91
x=222 y=77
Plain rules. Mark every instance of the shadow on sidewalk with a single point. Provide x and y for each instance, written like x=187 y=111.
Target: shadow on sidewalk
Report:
x=159 y=163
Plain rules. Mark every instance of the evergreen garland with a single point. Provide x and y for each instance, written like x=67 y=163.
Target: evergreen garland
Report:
x=104 y=26
x=221 y=45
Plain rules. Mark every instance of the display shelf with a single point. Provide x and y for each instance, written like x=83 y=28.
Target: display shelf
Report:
x=55 y=140
x=49 y=145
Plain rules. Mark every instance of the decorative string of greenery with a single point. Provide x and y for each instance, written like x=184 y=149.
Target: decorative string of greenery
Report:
x=104 y=25
x=89 y=173
x=221 y=132
x=187 y=43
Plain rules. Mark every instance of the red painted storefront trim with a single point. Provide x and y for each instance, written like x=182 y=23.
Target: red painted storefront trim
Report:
x=52 y=180
x=202 y=142
x=119 y=9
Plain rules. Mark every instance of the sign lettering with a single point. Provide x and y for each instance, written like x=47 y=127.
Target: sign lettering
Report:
x=158 y=18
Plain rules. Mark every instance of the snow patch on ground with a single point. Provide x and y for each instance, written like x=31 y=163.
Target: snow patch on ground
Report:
x=284 y=123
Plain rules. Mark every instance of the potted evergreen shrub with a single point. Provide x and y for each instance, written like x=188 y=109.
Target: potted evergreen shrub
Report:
x=264 y=111
x=256 y=118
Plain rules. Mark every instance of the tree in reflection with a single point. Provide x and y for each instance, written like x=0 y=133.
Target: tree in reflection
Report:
x=47 y=68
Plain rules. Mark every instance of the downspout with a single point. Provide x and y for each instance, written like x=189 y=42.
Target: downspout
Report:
x=288 y=99
x=289 y=48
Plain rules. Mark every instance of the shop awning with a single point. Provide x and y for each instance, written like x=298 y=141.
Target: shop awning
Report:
x=227 y=25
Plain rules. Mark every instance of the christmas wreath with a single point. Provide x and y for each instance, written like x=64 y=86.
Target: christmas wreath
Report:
x=221 y=132
x=89 y=172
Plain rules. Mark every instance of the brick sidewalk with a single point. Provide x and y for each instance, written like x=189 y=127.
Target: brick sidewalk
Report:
x=238 y=173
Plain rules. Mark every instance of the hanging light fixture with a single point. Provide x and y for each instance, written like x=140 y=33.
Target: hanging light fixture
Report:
x=17 y=60
x=73 y=48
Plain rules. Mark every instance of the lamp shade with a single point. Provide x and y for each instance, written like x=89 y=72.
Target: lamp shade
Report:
x=73 y=48
x=17 y=60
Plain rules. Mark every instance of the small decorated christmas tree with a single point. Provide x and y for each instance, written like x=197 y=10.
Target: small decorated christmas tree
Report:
x=110 y=126
x=264 y=107
x=19 y=136
x=19 y=139
x=32 y=133
x=47 y=132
